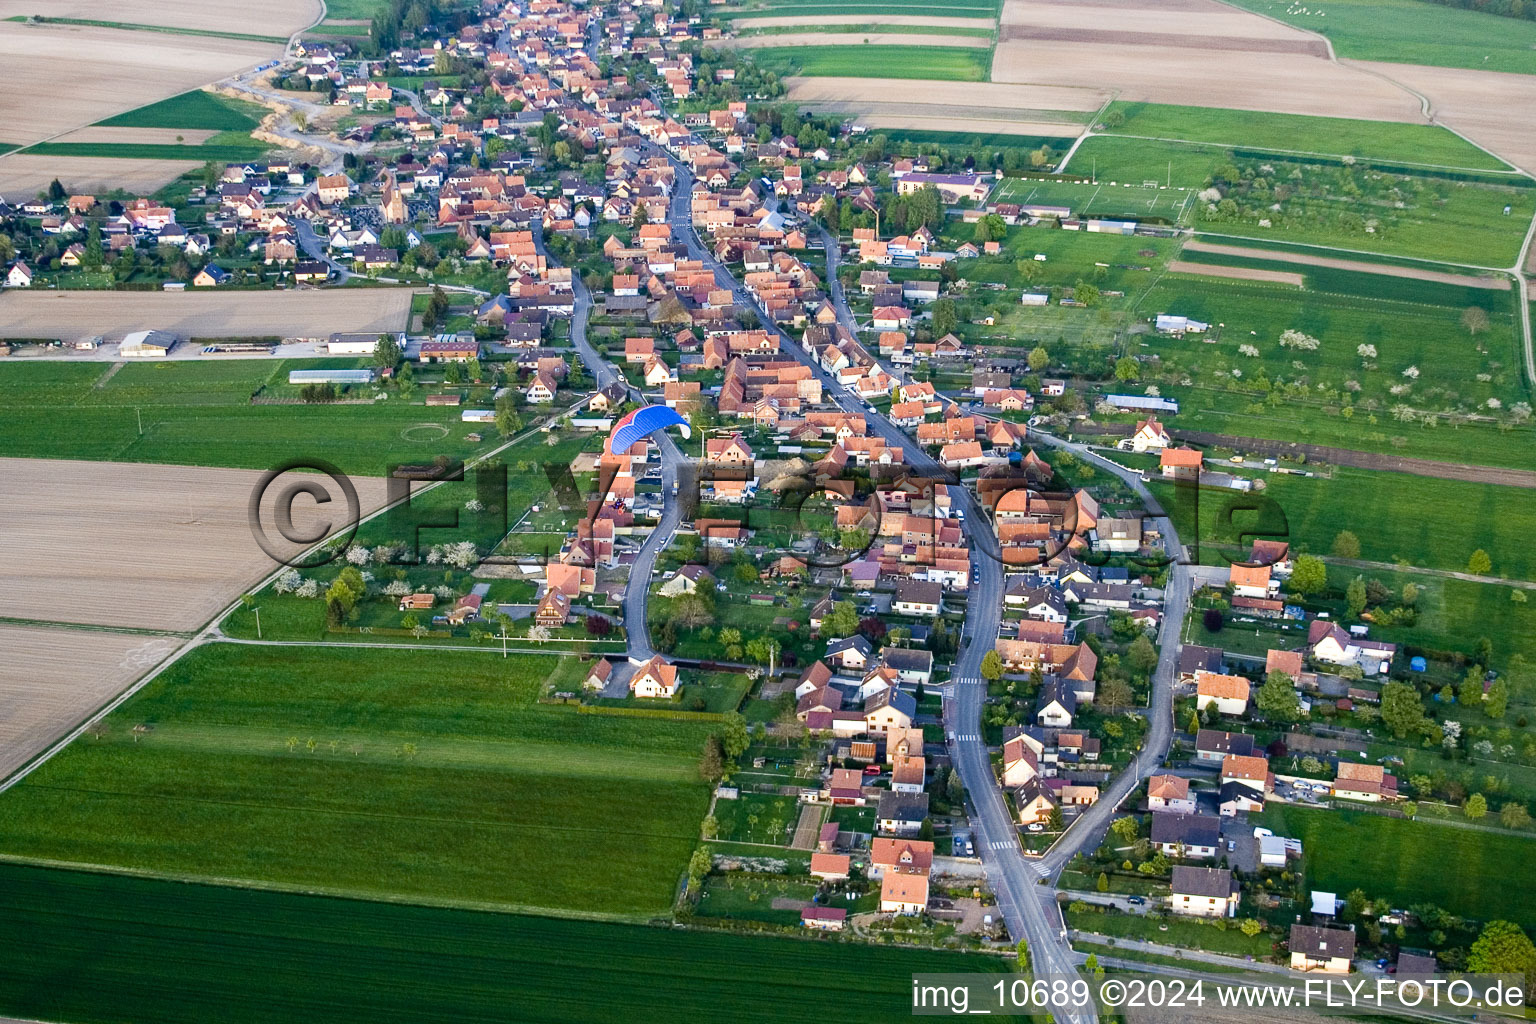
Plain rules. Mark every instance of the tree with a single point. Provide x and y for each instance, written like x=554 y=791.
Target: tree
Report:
x=1277 y=698
x=712 y=761
x=1127 y=368
x=385 y=352
x=1039 y=359
x=1114 y=696
x=1142 y=654
x=598 y=625
x=734 y=735
x=1503 y=948
x=841 y=621
x=1476 y=807
x=945 y=319
x=1496 y=701
x=872 y=628
x=1213 y=620
x=1401 y=709
x=1475 y=320
x=409 y=621
x=1479 y=564
x=991 y=666
x=1346 y=545
x=1251 y=926
x=1309 y=576
x=699 y=866
x=1087 y=294
x=1125 y=829
x=508 y=420
x=1102 y=885
x=954 y=789
x=1192 y=724
x=1022 y=955
x=1514 y=815
x=56 y=191
x=1354 y=596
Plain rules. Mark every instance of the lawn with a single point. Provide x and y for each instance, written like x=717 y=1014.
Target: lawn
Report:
x=1464 y=871
x=750 y=898
x=429 y=776
x=875 y=8
x=199 y=413
x=963 y=64
x=1432 y=523
x=140 y=949
x=1412 y=32
x=195 y=109
x=1335 y=136
x=751 y=817
x=1186 y=932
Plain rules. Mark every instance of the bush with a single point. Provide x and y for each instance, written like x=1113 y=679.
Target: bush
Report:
x=1214 y=620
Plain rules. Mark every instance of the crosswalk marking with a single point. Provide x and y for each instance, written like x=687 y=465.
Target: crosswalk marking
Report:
x=1001 y=844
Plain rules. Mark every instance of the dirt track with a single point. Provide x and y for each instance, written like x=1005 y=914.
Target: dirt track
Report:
x=1236 y=273
x=1386 y=270
x=202 y=313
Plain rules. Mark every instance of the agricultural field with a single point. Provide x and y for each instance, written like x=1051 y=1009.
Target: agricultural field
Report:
x=196 y=109
x=70 y=315
x=279 y=17
x=200 y=414
x=135 y=546
x=54 y=678
x=1478 y=104
x=246 y=956
x=1410 y=32
x=1365 y=140
x=949 y=62
x=426 y=776
x=28 y=173
x=1436 y=524
x=1408 y=862
x=867 y=10
x=870 y=35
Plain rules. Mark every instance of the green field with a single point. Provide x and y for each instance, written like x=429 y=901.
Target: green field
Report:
x=964 y=64
x=199 y=413
x=101 y=948
x=353 y=10
x=226 y=147
x=196 y=109
x=1407 y=862
x=1436 y=524
x=1453 y=614
x=430 y=776
x=1412 y=32
x=1097 y=200
x=1334 y=136
x=875 y=8
x=978 y=30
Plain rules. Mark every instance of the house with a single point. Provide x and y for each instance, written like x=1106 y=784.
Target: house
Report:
x=1329 y=950
x=830 y=867
x=902 y=814
x=19 y=276
x=906 y=742
x=687 y=581
x=827 y=919
x=465 y=609
x=1078 y=795
x=541 y=390
x=597 y=677
x=1150 y=436
x=1056 y=705
x=333 y=188
x=448 y=351
x=1118 y=534
x=1191 y=836
x=1194 y=659
x=1239 y=796
x=1213 y=745
x=918 y=598
x=903 y=893
x=416 y=602
x=656 y=678
x=210 y=276
x=1253 y=581
x=1368 y=782
x=1021 y=763
x=1180 y=463
x=845 y=788
x=552 y=610
x=1328 y=642
x=909 y=775
x=912 y=666
x=1290 y=662
x=850 y=652
x=1203 y=892
x=1035 y=803
x=888 y=710
x=1227 y=694
x=1252 y=771
x=900 y=856
x=1169 y=793
x=728 y=451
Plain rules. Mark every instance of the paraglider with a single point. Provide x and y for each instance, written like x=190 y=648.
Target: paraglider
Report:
x=635 y=426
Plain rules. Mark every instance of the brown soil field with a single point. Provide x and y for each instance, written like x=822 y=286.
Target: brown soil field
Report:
x=778 y=21
x=854 y=39
x=136 y=545
x=23 y=175
x=107 y=71
x=853 y=94
x=1191 y=59
x=1500 y=284
x=54 y=678
x=156 y=136
x=1236 y=273
x=979 y=125
x=276 y=17
x=1492 y=108
x=307 y=313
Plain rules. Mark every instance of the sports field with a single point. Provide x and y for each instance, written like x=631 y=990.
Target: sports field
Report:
x=247 y=957
x=200 y=414
x=1098 y=200
x=430 y=775
x=1411 y=32
x=1407 y=862
x=951 y=62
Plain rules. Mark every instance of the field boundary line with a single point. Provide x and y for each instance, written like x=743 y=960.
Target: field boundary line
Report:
x=1511 y=171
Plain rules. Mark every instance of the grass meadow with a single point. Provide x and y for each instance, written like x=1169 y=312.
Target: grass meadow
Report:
x=137 y=948
x=953 y=63
x=1436 y=524
x=426 y=776
x=1410 y=32
x=1334 y=136
x=987 y=9
x=1407 y=862
x=195 y=109
x=199 y=413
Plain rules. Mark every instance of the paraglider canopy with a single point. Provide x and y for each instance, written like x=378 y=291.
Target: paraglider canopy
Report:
x=635 y=426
